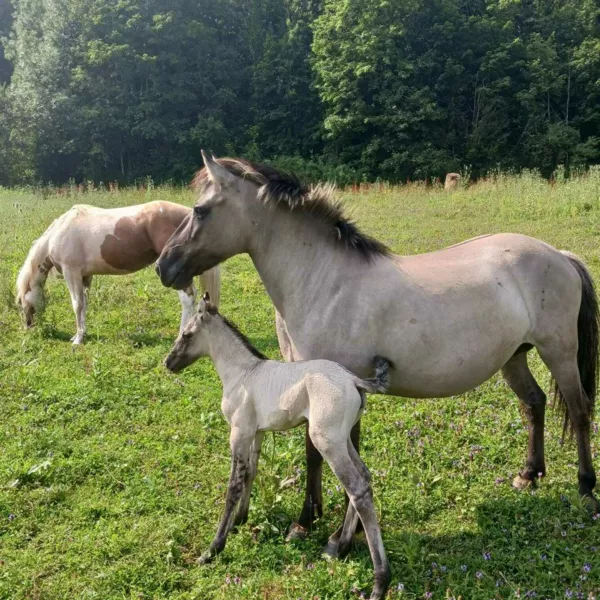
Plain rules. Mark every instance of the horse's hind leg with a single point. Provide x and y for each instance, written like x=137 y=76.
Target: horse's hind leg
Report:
x=361 y=496
x=565 y=370
x=533 y=403
x=78 y=300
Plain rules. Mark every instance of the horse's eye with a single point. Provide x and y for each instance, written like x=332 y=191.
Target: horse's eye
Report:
x=201 y=211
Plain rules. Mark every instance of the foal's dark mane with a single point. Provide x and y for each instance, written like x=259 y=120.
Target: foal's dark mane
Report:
x=240 y=336
x=283 y=188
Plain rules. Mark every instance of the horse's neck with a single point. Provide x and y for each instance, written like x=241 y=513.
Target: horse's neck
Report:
x=230 y=356
x=295 y=260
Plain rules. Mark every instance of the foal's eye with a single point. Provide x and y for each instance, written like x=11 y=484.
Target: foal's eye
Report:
x=201 y=211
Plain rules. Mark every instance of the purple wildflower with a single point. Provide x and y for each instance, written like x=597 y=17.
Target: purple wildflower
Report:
x=400 y=587
x=487 y=555
x=587 y=567
x=12 y=517
x=443 y=568
x=568 y=593
x=427 y=595
x=463 y=568
x=227 y=580
x=563 y=533
x=543 y=557
x=310 y=566
x=237 y=580
x=479 y=574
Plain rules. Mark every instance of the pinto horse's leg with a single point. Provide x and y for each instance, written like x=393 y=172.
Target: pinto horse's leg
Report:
x=533 y=403
x=78 y=300
x=187 y=297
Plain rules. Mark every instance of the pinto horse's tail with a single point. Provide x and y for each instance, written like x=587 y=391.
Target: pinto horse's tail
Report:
x=380 y=383
x=588 y=326
x=33 y=274
x=211 y=283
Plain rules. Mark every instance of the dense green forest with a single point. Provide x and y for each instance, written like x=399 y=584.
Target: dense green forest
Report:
x=347 y=89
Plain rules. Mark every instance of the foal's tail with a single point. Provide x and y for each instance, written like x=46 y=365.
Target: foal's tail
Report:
x=380 y=383
x=211 y=282
x=34 y=271
x=588 y=333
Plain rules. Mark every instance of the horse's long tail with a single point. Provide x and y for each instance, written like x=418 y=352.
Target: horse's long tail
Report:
x=588 y=325
x=211 y=282
x=380 y=383
x=34 y=271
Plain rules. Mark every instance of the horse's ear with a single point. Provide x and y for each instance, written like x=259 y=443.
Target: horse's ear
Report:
x=206 y=297
x=216 y=173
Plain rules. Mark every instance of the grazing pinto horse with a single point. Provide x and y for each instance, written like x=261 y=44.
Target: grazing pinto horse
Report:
x=265 y=395
x=447 y=320
x=88 y=241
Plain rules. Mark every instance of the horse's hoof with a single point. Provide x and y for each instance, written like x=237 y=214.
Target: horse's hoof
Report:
x=296 y=532
x=205 y=558
x=330 y=550
x=592 y=506
x=520 y=483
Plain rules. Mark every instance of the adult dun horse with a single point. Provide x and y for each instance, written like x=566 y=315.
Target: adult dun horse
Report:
x=87 y=241
x=447 y=320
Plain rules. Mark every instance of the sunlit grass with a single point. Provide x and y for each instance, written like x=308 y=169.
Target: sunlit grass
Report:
x=113 y=472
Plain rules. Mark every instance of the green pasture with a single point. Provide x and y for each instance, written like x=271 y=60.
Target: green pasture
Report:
x=113 y=471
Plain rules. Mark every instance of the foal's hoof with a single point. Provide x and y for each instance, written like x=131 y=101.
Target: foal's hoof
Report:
x=77 y=340
x=520 y=483
x=296 y=532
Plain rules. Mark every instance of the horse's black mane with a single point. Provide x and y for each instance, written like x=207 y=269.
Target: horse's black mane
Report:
x=285 y=189
x=240 y=336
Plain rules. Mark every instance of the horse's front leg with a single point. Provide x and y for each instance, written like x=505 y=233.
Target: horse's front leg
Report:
x=313 y=499
x=187 y=297
x=240 y=458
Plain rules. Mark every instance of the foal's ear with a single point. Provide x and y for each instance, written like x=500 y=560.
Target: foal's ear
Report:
x=204 y=308
x=216 y=173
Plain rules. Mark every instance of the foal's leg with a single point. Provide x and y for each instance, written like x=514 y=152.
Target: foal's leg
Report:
x=361 y=497
x=75 y=284
x=242 y=514
x=565 y=371
x=240 y=456
x=341 y=541
x=187 y=297
x=338 y=544
x=533 y=403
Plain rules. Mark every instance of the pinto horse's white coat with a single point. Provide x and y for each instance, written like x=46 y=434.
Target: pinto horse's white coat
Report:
x=264 y=395
x=87 y=241
x=448 y=320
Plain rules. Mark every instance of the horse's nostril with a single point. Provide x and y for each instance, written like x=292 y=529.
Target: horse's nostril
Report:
x=157 y=269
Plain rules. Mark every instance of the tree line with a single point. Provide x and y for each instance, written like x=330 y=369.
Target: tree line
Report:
x=349 y=90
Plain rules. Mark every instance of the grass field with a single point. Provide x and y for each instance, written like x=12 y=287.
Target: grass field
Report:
x=113 y=471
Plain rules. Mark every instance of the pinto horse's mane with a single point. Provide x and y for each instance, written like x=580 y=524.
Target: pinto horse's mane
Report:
x=284 y=188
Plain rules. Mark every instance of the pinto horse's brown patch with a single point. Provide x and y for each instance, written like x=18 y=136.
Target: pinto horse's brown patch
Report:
x=128 y=248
